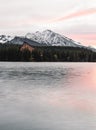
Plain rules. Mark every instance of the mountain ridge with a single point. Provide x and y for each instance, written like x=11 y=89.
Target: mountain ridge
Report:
x=47 y=37
x=51 y=38
x=44 y=38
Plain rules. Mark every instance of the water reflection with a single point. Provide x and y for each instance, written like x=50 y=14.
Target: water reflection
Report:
x=47 y=96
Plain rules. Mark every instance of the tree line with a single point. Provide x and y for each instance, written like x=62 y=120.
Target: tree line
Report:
x=10 y=52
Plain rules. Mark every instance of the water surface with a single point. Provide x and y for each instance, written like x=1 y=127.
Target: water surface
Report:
x=47 y=96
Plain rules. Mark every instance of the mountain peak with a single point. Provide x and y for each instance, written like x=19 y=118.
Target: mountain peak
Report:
x=51 y=38
x=47 y=31
x=46 y=38
x=4 y=38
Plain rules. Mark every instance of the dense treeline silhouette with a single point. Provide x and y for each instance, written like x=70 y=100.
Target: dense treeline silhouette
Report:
x=70 y=54
x=10 y=52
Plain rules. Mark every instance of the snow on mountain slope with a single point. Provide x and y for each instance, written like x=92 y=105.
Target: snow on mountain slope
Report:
x=45 y=38
x=51 y=38
x=17 y=40
x=4 y=38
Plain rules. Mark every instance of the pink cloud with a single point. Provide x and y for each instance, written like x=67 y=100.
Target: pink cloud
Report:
x=86 y=39
x=78 y=14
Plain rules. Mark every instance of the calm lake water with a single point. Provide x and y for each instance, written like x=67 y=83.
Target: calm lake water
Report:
x=47 y=96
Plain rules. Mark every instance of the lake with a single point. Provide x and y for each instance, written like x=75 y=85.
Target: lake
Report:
x=47 y=96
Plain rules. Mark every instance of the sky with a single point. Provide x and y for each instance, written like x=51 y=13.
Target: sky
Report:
x=75 y=19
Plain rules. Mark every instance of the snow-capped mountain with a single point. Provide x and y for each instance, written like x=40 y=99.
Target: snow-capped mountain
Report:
x=51 y=38
x=92 y=48
x=45 y=38
x=4 y=38
x=17 y=40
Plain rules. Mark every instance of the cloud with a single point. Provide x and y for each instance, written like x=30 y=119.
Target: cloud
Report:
x=78 y=14
x=86 y=39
